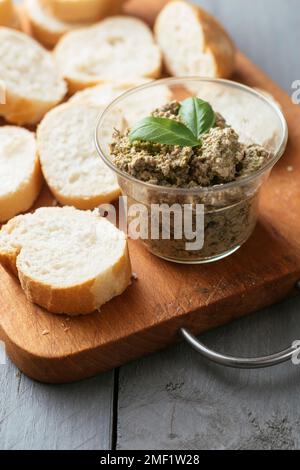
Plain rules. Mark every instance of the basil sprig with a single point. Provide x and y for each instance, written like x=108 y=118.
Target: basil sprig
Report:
x=163 y=131
x=197 y=118
x=197 y=115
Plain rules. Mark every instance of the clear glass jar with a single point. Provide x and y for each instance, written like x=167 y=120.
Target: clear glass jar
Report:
x=230 y=210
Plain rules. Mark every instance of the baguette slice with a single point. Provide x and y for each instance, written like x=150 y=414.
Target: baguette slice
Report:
x=68 y=261
x=83 y=10
x=20 y=173
x=45 y=27
x=71 y=166
x=104 y=93
x=115 y=48
x=134 y=107
x=253 y=122
x=8 y=15
x=28 y=72
x=193 y=43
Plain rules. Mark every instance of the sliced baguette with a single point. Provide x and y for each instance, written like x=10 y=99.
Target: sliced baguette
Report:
x=71 y=166
x=20 y=173
x=8 y=15
x=115 y=48
x=68 y=261
x=193 y=43
x=104 y=93
x=83 y=10
x=32 y=82
x=134 y=107
x=252 y=120
x=45 y=27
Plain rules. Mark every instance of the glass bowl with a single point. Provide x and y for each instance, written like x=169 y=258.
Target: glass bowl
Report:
x=221 y=217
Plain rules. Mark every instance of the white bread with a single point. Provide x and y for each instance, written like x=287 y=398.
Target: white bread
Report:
x=45 y=27
x=135 y=107
x=83 y=10
x=74 y=171
x=68 y=261
x=115 y=48
x=32 y=82
x=268 y=95
x=104 y=93
x=193 y=43
x=20 y=173
x=8 y=15
x=253 y=122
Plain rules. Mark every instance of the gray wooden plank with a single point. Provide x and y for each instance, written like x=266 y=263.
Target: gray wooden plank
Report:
x=175 y=399
x=37 y=416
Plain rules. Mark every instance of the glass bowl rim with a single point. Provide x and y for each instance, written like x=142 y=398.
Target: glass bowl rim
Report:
x=198 y=189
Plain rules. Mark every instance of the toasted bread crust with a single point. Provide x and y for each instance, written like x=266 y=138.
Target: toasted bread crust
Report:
x=77 y=299
x=86 y=203
x=83 y=10
x=20 y=201
x=217 y=43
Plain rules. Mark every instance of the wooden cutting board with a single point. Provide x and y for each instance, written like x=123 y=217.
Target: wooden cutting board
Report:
x=166 y=296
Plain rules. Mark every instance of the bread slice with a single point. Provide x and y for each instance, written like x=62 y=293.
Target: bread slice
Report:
x=32 y=82
x=115 y=48
x=193 y=43
x=45 y=27
x=68 y=261
x=71 y=166
x=253 y=121
x=20 y=173
x=134 y=107
x=83 y=10
x=8 y=15
x=268 y=95
x=104 y=93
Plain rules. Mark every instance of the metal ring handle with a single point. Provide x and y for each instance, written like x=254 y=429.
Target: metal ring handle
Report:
x=238 y=362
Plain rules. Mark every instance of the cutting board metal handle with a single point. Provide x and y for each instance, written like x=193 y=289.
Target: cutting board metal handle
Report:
x=292 y=353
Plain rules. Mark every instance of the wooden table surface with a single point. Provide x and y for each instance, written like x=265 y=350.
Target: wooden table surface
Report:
x=175 y=399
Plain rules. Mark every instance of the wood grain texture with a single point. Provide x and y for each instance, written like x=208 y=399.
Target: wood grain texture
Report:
x=51 y=349
x=175 y=399
x=36 y=416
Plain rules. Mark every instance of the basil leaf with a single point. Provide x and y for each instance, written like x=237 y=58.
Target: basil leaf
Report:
x=163 y=131
x=197 y=115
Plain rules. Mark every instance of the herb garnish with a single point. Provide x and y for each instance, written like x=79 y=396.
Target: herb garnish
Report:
x=163 y=131
x=198 y=118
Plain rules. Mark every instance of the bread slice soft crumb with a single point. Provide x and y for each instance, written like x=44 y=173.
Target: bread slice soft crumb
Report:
x=68 y=261
x=46 y=27
x=71 y=166
x=32 y=83
x=135 y=107
x=115 y=48
x=193 y=43
x=254 y=122
x=20 y=173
